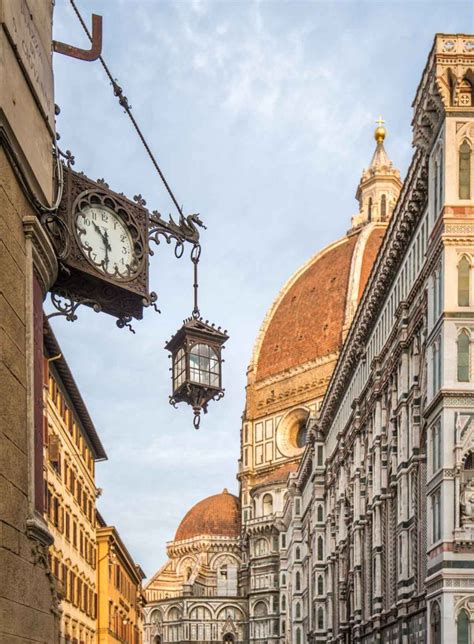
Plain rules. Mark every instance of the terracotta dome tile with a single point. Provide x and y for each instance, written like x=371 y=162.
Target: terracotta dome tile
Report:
x=371 y=249
x=307 y=322
x=217 y=515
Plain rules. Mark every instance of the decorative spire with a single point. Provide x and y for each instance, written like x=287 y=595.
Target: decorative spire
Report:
x=380 y=156
x=380 y=131
x=380 y=184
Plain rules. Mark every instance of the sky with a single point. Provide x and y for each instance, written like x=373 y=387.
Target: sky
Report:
x=261 y=115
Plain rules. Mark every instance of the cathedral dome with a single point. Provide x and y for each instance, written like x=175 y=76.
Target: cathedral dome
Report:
x=308 y=319
x=217 y=515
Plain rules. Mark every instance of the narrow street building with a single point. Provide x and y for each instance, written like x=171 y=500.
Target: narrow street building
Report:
x=72 y=448
x=120 y=597
x=29 y=603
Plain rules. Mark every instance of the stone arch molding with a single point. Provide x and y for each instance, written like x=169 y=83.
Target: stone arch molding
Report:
x=464 y=602
x=465 y=133
x=257 y=611
x=155 y=617
x=464 y=437
x=184 y=564
x=171 y=609
x=220 y=613
x=207 y=609
x=220 y=559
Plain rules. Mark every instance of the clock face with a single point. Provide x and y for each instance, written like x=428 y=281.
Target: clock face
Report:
x=106 y=241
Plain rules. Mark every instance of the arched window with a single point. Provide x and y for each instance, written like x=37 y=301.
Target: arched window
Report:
x=465 y=171
x=298 y=611
x=464 y=269
x=463 y=628
x=320 y=549
x=383 y=207
x=283 y=602
x=173 y=614
x=320 y=618
x=283 y=579
x=320 y=514
x=320 y=585
x=463 y=356
x=298 y=636
x=267 y=504
x=260 y=609
x=369 y=215
x=298 y=581
x=297 y=553
x=435 y=623
x=261 y=547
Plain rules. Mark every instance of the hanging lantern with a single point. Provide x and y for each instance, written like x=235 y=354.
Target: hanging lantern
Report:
x=196 y=355
x=197 y=364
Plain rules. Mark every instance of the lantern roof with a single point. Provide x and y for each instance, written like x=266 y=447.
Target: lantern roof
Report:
x=195 y=327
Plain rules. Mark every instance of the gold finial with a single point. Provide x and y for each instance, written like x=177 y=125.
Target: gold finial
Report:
x=380 y=131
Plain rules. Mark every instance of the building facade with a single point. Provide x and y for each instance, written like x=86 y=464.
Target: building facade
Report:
x=72 y=447
x=357 y=468
x=382 y=521
x=29 y=601
x=120 y=598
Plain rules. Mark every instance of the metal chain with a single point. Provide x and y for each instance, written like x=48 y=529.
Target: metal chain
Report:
x=127 y=107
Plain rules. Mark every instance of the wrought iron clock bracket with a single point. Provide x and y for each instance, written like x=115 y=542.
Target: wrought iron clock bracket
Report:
x=184 y=231
x=150 y=300
x=67 y=307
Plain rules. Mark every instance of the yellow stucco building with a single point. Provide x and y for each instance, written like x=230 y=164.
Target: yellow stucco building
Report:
x=72 y=447
x=121 y=601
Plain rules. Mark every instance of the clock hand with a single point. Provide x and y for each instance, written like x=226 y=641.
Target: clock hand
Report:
x=98 y=230
x=106 y=240
x=105 y=237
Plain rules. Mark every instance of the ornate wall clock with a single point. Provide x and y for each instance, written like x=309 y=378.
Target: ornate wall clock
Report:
x=104 y=252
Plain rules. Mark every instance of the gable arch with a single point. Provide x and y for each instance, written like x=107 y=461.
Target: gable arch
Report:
x=238 y=614
x=173 y=613
x=201 y=612
x=184 y=564
x=222 y=559
x=260 y=608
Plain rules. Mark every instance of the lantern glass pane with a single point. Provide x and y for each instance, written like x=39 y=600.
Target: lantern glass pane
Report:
x=204 y=365
x=179 y=369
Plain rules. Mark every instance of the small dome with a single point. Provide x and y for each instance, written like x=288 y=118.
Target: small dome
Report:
x=218 y=515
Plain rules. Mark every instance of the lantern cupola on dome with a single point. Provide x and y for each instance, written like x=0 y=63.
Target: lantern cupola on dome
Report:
x=380 y=184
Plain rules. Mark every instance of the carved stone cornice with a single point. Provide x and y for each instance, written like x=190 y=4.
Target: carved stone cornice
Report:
x=37 y=529
x=45 y=264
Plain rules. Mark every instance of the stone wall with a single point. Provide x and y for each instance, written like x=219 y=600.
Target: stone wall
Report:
x=28 y=603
